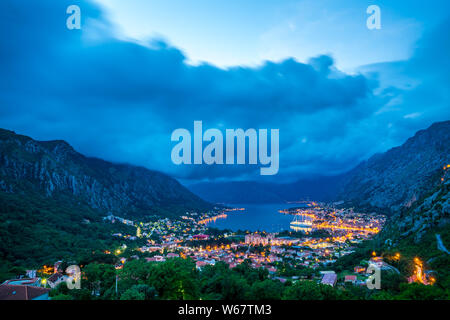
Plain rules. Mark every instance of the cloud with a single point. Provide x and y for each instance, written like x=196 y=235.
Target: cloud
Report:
x=121 y=100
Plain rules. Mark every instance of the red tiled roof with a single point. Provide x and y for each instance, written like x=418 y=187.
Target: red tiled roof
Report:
x=20 y=292
x=54 y=277
x=200 y=263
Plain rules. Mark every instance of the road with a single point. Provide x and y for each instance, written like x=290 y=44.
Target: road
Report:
x=440 y=244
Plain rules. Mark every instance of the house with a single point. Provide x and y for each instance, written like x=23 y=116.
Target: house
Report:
x=350 y=278
x=200 y=264
x=329 y=279
x=55 y=279
x=31 y=273
x=377 y=261
x=281 y=279
x=359 y=269
x=201 y=237
x=156 y=258
x=273 y=257
x=23 y=292
x=272 y=270
x=56 y=266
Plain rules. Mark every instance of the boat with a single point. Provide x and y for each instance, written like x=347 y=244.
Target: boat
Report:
x=302 y=223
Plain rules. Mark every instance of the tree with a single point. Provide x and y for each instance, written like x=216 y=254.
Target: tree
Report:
x=266 y=290
x=391 y=281
x=132 y=294
x=416 y=291
x=99 y=277
x=309 y=290
x=234 y=288
x=175 y=279
x=62 y=297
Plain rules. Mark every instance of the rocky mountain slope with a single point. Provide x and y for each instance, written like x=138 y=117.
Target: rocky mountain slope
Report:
x=402 y=175
x=429 y=213
x=54 y=169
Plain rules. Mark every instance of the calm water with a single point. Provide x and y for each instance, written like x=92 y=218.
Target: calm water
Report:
x=262 y=217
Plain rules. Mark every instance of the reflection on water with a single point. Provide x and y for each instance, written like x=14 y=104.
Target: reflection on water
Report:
x=213 y=219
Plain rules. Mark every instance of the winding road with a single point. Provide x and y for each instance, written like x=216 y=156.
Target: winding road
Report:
x=440 y=244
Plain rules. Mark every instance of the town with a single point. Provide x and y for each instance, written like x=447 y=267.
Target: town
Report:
x=320 y=234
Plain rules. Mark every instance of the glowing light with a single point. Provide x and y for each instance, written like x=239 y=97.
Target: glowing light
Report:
x=212 y=219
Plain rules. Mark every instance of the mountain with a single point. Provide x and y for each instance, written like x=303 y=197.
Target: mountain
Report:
x=234 y=192
x=53 y=169
x=402 y=175
x=53 y=200
x=431 y=212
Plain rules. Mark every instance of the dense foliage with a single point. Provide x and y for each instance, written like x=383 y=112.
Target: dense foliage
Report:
x=179 y=279
x=41 y=231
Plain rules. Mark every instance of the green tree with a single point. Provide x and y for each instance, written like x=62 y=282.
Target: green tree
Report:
x=174 y=279
x=309 y=290
x=132 y=294
x=416 y=291
x=266 y=290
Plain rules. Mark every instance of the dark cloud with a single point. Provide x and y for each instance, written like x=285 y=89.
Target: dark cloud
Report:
x=121 y=100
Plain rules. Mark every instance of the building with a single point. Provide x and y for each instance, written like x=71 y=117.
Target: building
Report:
x=350 y=278
x=156 y=258
x=377 y=261
x=55 y=279
x=272 y=270
x=201 y=237
x=329 y=279
x=200 y=264
x=359 y=269
x=138 y=232
x=277 y=250
x=23 y=292
x=31 y=273
x=56 y=266
x=257 y=239
x=288 y=241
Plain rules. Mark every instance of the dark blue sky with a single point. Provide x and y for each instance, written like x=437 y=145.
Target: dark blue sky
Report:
x=118 y=98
